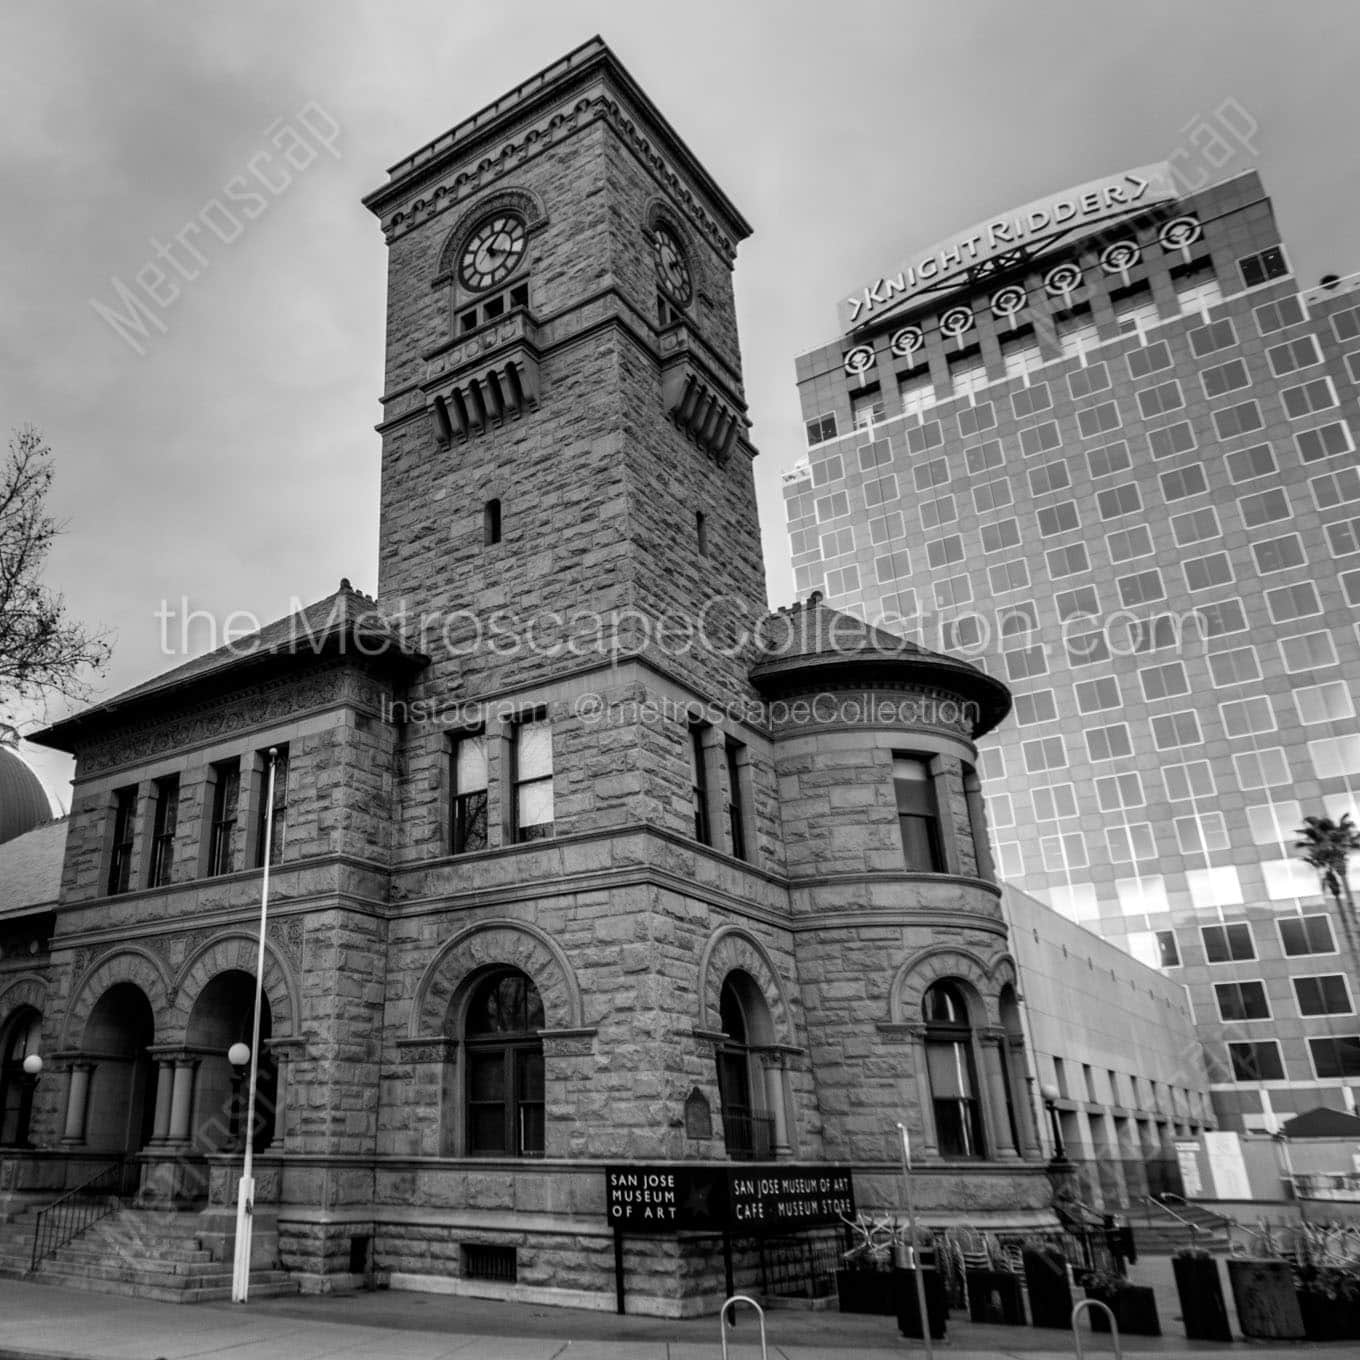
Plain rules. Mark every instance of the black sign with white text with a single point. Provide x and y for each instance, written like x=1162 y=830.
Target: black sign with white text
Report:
x=753 y=1197
x=790 y=1196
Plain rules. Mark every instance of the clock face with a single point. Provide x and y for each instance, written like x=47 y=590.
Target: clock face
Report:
x=492 y=252
x=671 y=269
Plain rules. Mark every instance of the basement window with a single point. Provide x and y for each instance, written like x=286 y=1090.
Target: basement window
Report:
x=481 y=1261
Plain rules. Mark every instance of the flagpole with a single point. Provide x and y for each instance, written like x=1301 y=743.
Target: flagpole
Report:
x=245 y=1196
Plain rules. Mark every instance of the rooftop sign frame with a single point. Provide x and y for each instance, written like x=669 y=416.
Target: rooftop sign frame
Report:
x=1000 y=242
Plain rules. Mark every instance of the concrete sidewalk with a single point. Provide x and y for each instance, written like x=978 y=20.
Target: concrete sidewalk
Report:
x=39 y=1322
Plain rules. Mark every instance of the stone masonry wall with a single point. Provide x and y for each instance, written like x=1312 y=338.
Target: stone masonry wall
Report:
x=339 y=788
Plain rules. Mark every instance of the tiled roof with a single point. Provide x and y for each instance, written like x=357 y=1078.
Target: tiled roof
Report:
x=813 y=643
x=347 y=622
x=815 y=629
x=30 y=869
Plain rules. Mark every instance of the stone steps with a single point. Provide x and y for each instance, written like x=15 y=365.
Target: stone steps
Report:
x=214 y=1287
x=1162 y=1234
x=142 y=1253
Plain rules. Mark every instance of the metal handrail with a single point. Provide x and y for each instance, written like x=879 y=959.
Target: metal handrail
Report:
x=74 y=1212
x=1167 y=1209
x=1095 y=1219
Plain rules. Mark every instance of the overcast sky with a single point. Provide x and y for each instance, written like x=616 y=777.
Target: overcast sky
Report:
x=233 y=462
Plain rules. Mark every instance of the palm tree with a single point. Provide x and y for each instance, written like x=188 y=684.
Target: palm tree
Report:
x=1327 y=846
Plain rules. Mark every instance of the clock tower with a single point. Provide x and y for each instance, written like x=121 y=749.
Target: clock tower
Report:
x=566 y=471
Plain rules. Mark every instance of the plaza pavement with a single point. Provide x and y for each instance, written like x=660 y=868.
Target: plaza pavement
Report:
x=40 y=1322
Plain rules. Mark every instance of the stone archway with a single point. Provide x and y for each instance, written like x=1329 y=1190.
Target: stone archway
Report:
x=437 y=1027
x=20 y=1032
x=491 y=944
x=119 y=1075
x=921 y=971
x=126 y=964
x=733 y=950
x=235 y=952
x=223 y=1015
x=976 y=983
x=742 y=999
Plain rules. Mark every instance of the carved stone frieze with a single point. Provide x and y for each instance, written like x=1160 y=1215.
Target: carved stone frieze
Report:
x=458 y=188
x=257 y=706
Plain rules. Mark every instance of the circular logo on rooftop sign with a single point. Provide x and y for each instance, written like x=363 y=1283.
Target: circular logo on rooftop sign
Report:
x=1063 y=279
x=907 y=341
x=1180 y=232
x=859 y=360
x=1120 y=256
x=955 y=321
x=1008 y=300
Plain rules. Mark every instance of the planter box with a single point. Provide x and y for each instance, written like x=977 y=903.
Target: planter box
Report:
x=1204 y=1311
x=908 y=1310
x=1134 y=1308
x=866 y=1291
x=1199 y=1288
x=995 y=1296
x=1329 y=1318
x=1050 y=1298
x=1267 y=1306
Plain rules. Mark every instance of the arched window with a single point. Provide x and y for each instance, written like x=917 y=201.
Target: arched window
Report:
x=748 y=1127
x=16 y=1087
x=952 y=1072
x=504 y=1067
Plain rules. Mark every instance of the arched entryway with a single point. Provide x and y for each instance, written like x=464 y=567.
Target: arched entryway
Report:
x=749 y=1124
x=223 y=1015
x=19 y=1039
x=119 y=1073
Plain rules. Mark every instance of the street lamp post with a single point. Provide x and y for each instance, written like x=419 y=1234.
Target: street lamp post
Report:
x=245 y=1196
x=33 y=1066
x=238 y=1055
x=1050 y=1096
x=922 y=1308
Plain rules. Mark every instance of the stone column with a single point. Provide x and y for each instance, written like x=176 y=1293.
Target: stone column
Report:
x=977 y=821
x=929 y=1142
x=1013 y=1054
x=773 y=1067
x=165 y=1080
x=500 y=784
x=994 y=1082
x=77 y=1099
x=945 y=783
x=182 y=1099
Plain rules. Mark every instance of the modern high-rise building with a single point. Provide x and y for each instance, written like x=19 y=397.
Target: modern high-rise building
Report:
x=1103 y=445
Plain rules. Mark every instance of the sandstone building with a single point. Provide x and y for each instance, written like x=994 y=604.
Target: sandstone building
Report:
x=580 y=856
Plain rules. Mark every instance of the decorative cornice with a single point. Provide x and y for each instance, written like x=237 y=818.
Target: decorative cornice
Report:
x=455 y=189
x=569 y=1043
x=249 y=707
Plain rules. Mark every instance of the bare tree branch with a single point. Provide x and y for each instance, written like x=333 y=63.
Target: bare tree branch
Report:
x=43 y=651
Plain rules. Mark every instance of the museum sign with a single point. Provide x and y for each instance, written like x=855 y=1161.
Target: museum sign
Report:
x=751 y=1198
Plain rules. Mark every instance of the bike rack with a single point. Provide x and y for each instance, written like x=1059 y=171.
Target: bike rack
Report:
x=1076 y=1334
x=760 y=1314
